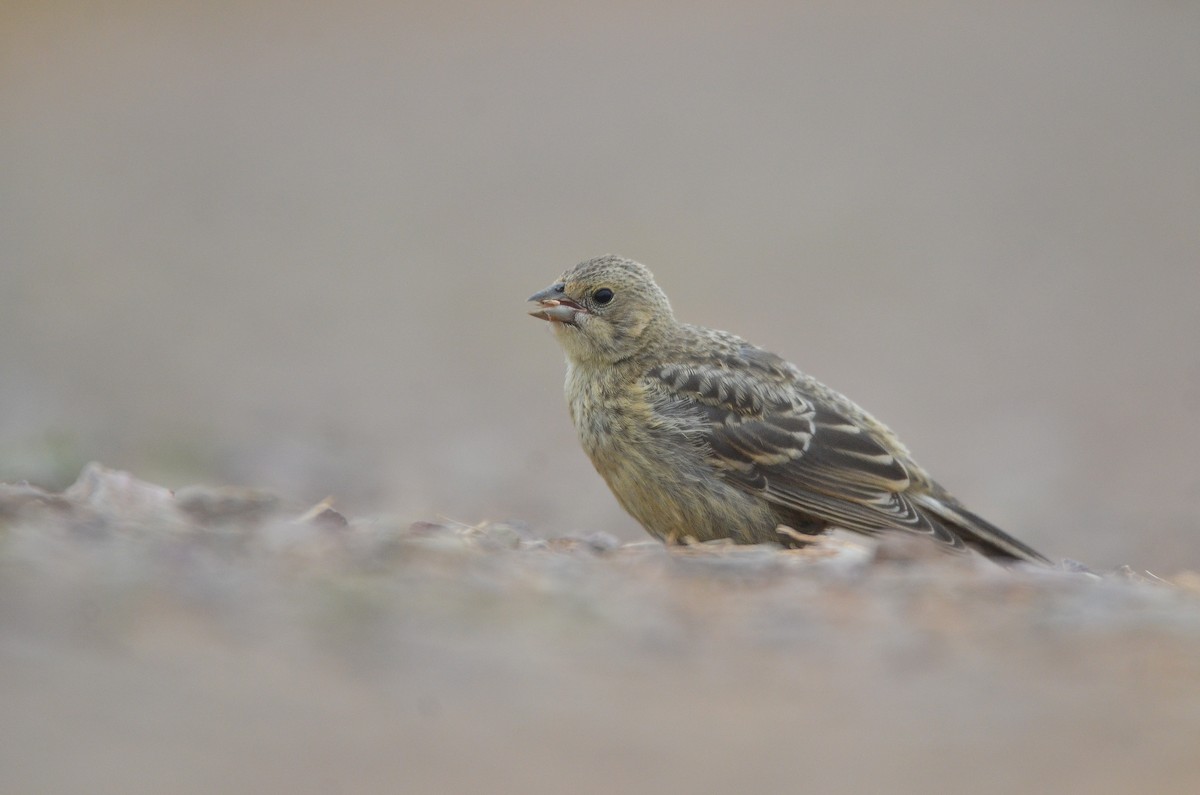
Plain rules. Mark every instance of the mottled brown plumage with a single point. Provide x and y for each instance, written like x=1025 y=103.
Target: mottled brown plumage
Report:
x=702 y=435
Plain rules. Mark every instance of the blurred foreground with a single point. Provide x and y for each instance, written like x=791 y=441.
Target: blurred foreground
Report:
x=211 y=641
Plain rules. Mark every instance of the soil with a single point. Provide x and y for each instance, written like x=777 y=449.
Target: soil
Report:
x=217 y=640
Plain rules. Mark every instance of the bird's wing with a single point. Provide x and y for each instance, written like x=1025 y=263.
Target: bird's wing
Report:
x=763 y=433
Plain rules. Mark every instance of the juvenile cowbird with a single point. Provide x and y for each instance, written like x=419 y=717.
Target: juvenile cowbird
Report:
x=701 y=435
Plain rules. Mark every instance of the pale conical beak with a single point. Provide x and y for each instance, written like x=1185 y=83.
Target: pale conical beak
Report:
x=554 y=305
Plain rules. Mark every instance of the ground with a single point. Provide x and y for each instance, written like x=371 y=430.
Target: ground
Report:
x=211 y=640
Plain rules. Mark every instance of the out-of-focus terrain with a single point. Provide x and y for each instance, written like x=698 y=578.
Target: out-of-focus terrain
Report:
x=288 y=245
x=210 y=640
x=285 y=246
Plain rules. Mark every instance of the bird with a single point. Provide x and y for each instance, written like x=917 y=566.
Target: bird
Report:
x=701 y=435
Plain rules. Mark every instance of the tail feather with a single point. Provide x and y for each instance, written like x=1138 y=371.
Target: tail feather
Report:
x=977 y=532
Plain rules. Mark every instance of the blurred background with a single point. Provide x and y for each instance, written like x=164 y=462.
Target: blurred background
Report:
x=287 y=245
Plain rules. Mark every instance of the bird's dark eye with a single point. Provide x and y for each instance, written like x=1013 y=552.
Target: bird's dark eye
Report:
x=602 y=296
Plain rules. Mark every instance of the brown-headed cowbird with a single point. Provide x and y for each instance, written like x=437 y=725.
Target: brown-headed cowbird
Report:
x=701 y=435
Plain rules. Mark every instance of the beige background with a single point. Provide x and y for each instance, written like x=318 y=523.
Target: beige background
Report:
x=287 y=245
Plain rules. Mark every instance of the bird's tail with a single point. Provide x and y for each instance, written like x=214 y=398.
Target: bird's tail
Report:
x=977 y=532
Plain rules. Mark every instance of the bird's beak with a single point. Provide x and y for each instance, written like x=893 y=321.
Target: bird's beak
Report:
x=553 y=305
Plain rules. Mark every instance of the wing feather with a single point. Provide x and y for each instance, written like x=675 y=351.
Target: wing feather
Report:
x=765 y=435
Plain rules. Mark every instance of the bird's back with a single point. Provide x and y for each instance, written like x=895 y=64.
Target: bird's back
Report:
x=815 y=455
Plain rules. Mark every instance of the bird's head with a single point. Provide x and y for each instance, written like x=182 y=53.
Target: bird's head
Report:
x=604 y=310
